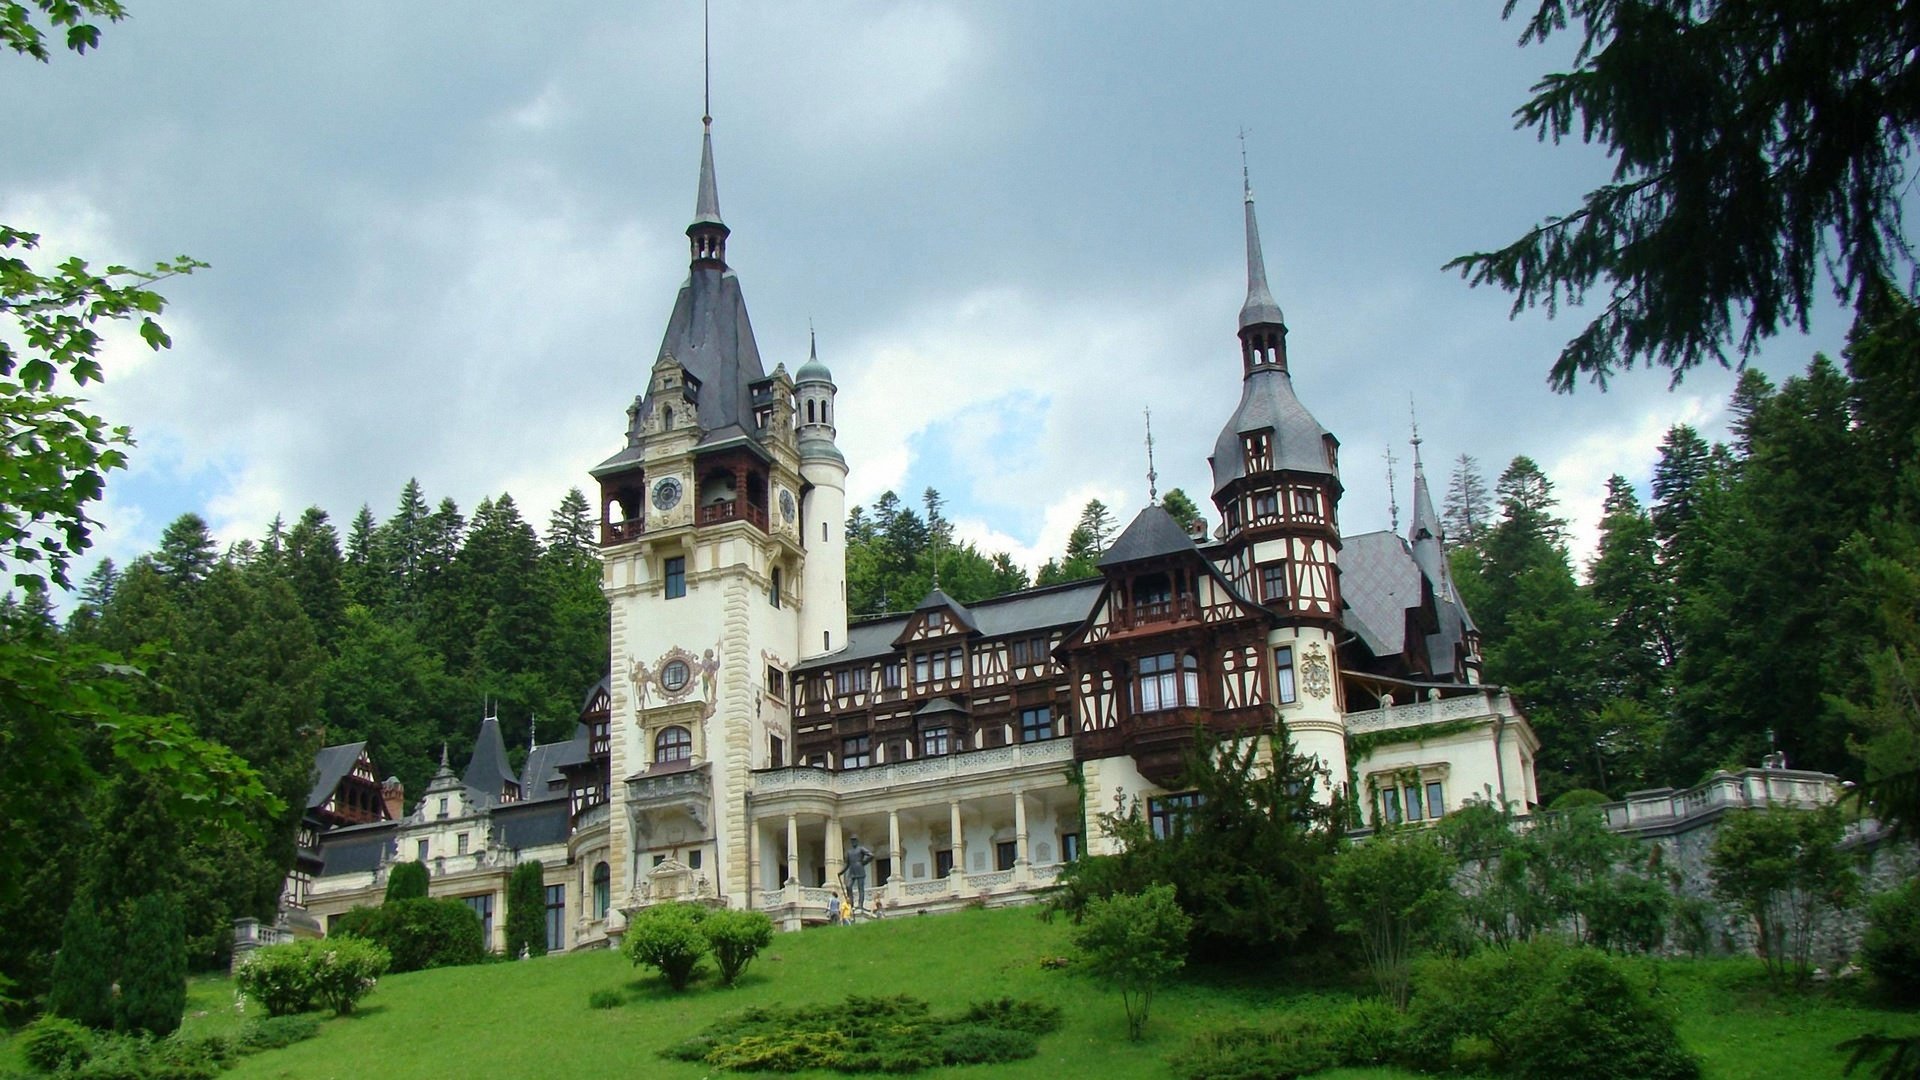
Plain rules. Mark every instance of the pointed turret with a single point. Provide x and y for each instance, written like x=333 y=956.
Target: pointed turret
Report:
x=1260 y=308
x=708 y=233
x=1425 y=535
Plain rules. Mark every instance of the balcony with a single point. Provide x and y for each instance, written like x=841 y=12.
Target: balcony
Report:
x=735 y=510
x=619 y=532
x=1421 y=713
x=926 y=770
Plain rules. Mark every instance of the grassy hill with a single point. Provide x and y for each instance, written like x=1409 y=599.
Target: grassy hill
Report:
x=531 y=1018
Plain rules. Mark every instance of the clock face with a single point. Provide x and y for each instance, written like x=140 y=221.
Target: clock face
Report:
x=675 y=675
x=786 y=505
x=666 y=494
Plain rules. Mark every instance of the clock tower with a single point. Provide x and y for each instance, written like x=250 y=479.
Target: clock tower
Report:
x=709 y=562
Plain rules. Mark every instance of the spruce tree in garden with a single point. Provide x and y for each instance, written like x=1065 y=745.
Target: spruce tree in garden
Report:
x=153 y=968
x=527 y=910
x=82 y=988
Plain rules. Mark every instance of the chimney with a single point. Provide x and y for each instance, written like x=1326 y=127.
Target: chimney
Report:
x=394 y=795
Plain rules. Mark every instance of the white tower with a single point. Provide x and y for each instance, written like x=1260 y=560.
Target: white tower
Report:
x=823 y=510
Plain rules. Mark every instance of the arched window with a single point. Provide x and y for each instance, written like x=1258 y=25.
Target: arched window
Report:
x=809 y=412
x=672 y=744
x=773 y=588
x=602 y=890
x=666 y=419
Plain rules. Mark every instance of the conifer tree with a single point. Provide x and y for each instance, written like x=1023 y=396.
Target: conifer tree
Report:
x=526 y=910
x=153 y=968
x=82 y=989
x=1467 y=513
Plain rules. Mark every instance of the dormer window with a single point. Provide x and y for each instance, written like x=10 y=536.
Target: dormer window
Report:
x=1152 y=597
x=936 y=619
x=1306 y=502
x=1258 y=448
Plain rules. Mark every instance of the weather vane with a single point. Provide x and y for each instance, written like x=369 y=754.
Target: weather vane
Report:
x=1393 y=500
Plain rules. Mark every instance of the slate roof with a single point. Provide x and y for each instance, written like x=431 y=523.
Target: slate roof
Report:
x=1152 y=532
x=605 y=685
x=545 y=762
x=1380 y=580
x=330 y=766
x=488 y=771
x=533 y=824
x=1031 y=609
x=1260 y=308
x=355 y=849
x=941 y=706
x=938 y=599
x=1267 y=402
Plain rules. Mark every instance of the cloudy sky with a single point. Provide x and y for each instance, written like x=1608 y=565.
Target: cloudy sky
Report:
x=445 y=239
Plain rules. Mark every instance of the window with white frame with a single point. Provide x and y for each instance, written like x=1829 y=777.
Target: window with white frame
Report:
x=1168 y=681
x=1283 y=674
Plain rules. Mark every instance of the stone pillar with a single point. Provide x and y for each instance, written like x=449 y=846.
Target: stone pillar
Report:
x=754 y=884
x=793 y=857
x=958 y=879
x=836 y=853
x=895 y=858
x=1021 y=864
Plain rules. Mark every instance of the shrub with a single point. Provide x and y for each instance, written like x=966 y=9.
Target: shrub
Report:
x=407 y=881
x=736 y=937
x=1369 y=1032
x=1780 y=868
x=1133 y=942
x=527 y=911
x=52 y=1043
x=82 y=987
x=1542 y=1010
x=1579 y=797
x=867 y=1035
x=274 y=1032
x=1298 y=1047
x=1589 y=1021
x=420 y=933
x=279 y=978
x=296 y=977
x=667 y=937
x=153 y=968
x=606 y=999
x=1891 y=947
x=1393 y=893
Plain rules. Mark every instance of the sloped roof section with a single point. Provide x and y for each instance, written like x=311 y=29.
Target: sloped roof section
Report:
x=330 y=766
x=1031 y=609
x=545 y=762
x=938 y=599
x=1267 y=403
x=1152 y=533
x=488 y=772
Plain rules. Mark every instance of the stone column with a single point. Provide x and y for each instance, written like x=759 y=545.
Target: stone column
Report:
x=754 y=884
x=793 y=858
x=836 y=854
x=896 y=858
x=957 y=881
x=1021 y=864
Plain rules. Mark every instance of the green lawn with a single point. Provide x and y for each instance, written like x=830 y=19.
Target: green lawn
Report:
x=531 y=1018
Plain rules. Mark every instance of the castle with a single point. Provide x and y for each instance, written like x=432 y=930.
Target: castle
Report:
x=748 y=731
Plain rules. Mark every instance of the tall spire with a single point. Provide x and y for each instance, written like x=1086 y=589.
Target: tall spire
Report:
x=707 y=210
x=1260 y=308
x=708 y=234
x=1426 y=524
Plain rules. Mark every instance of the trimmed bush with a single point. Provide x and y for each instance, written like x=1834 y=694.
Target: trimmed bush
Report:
x=1591 y=1022
x=1370 y=1032
x=736 y=937
x=1297 y=1047
x=52 y=1043
x=153 y=968
x=407 y=881
x=82 y=988
x=301 y=975
x=606 y=999
x=868 y=1035
x=419 y=934
x=527 y=911
x=668 y=938
x=1891 y=947
x=1579 y=797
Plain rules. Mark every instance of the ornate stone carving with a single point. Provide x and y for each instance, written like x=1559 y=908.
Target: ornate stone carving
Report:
x=1316 y=674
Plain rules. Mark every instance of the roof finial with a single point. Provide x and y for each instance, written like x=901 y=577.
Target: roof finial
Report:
x=1393 y=486
x=706 y=65
x=1246 y=178
x=1413 y=417
x=813 y=343
x=1153 y=478
x=443 y=753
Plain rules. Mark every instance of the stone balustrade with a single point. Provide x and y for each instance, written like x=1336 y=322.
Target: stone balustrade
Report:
x=920 y=770
x=1421 y=713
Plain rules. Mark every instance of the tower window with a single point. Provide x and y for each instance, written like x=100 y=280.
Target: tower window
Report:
x=1283 y=673
x=672 y=744
x=1273 y=582
x=809 y=412
x=676 y=577
x=773 y=588
x=1306 y=503
x=1168 y=681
